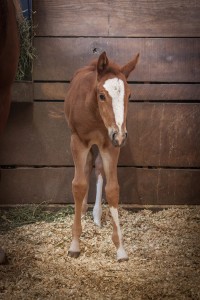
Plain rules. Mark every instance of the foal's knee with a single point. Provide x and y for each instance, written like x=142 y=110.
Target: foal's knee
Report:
x=112 y=193
x=79 y=188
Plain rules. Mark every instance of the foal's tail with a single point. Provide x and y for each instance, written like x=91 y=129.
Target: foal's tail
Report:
x=99 y=170
x=94 y=158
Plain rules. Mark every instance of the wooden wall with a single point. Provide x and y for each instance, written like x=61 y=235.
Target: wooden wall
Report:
x=161 y=162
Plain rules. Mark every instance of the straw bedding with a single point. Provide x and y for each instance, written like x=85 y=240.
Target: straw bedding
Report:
x=164 y=258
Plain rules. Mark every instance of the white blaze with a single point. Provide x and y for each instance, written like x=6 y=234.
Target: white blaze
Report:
x=115 y=88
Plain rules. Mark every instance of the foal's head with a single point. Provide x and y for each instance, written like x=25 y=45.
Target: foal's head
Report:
x=112 y=96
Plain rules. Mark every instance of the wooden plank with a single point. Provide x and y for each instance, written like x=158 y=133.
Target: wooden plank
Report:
x=50 y=90
x=36 y=134
x=161 y=59
x=162 y=135
x=159 y=135
x=159 y=186
x=139 y=92
x=165 y=92
x=138 y=186
x=22 y=91
x=117 y=18
x=33 y=185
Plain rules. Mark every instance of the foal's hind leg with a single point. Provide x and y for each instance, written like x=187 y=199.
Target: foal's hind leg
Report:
x=97 y=211
x=79 y=190
x=88 y=170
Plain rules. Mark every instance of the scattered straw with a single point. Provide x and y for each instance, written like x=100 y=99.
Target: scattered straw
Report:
x=163 y=247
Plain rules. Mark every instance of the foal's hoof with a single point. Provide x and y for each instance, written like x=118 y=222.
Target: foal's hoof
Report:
x=123 y=259
x=121 y=255
x=73 y=254
x=97 y=222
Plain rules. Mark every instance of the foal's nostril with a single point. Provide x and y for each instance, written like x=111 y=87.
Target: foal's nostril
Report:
x=118 y=138
x=114 y=135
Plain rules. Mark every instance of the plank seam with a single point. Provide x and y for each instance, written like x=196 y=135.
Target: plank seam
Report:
x=46 y=100
x=11 y=167
x=129 y=81
x=130 y=101
x=115 y=37
x=165 y=101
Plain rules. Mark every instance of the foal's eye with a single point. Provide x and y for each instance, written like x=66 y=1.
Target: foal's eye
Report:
x=102 y=97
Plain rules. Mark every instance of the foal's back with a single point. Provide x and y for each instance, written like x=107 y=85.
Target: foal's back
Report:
x=80 y=100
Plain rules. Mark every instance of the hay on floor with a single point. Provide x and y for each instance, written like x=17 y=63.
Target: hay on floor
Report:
x=164 y=258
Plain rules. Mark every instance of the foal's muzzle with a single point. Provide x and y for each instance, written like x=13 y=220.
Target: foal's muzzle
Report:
x=118 y=139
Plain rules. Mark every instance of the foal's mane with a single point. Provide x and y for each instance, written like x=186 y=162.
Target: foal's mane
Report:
x=112 y=68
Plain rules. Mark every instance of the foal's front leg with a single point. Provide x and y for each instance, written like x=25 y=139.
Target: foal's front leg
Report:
x=110 y=159
x=79 y=190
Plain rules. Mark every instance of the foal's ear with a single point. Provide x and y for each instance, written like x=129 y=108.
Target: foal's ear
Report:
x=129 y=67
x=102 y=63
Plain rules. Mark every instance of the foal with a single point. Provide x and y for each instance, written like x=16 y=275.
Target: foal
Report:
x=96 y=110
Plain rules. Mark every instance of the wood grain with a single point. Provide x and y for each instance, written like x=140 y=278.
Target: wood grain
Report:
x=137 y=186
x=153 y=18
x=165 y=135
x=139 y=92
x=159 y=186
x=161 y=60
x=36 y=134
x=162 y=135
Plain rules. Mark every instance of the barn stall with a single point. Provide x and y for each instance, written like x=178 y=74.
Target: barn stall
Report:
x=160 y=164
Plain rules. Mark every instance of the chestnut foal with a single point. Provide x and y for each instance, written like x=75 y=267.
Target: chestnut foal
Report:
x=96 y=110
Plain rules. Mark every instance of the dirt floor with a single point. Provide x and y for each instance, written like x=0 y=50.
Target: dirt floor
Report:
x=163 y=247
